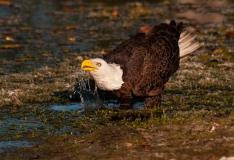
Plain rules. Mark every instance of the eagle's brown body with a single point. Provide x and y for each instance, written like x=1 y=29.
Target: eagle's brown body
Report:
x=148 y=61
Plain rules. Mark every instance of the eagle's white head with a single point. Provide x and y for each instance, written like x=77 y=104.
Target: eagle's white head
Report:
x=107 y=76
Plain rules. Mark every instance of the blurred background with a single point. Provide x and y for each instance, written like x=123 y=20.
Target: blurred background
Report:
x=43 y=32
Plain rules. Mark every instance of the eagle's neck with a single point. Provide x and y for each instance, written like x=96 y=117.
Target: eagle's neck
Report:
x=110 y=79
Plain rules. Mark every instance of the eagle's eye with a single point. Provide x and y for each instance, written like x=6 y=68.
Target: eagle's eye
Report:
x=98 y=64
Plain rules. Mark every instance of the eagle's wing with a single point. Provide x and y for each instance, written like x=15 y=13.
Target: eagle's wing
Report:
x=123 y=52
x=155 y=60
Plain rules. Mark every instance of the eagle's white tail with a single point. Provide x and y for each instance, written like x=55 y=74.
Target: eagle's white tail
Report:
x=187 y=44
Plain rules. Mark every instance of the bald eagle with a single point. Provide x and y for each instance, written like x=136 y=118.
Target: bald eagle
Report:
x=141 y=65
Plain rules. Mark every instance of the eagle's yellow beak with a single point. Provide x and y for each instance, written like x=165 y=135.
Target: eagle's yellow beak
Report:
x=87 y=65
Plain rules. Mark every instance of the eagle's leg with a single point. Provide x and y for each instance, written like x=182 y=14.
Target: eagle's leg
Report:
x=124 y=95
x=126 y=103
x=153 y=101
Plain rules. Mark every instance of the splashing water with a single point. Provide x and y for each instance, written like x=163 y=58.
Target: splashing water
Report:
x=89 y=97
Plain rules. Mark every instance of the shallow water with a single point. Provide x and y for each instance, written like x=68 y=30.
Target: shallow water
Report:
x=80 y=106
x=69 y=107
x=11 y=145
x=51 y=31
